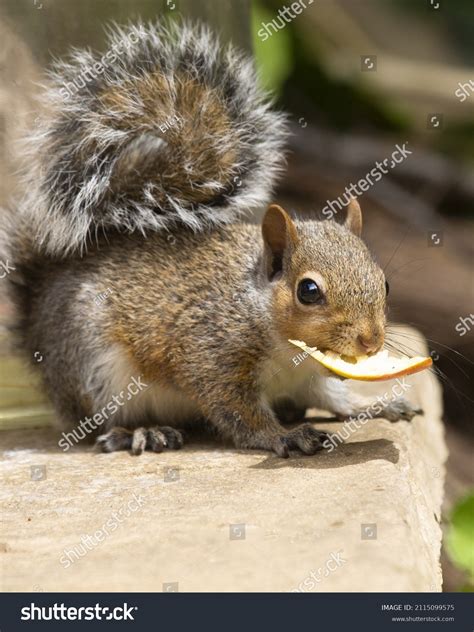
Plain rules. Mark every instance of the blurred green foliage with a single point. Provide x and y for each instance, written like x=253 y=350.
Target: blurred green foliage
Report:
x=460 y=538
x=275 y=57
x=294 y=69
x=293 y=72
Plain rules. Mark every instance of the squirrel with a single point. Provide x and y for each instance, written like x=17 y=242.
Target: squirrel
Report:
x=132 y=255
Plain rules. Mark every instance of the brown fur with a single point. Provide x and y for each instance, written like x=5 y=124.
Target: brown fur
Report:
x=201 y=116
x=203 y=314
x=175 y=133
x=130 y=181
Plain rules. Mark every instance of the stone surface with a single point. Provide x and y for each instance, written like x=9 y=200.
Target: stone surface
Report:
x=363 y=517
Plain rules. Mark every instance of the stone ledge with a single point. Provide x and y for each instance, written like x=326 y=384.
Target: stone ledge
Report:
x=300 y=515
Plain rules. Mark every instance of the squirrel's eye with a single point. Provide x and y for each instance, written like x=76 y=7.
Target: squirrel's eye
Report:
x=308 y=292
x=387 y=288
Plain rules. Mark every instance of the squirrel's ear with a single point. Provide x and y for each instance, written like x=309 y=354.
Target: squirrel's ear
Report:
x=354 y=217
x=279 y=234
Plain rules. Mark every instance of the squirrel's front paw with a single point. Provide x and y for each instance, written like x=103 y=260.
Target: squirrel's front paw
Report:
x=400 y=409
x=156 y=439
x=304 y=438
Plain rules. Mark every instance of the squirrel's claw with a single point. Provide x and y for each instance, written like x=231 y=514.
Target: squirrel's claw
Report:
x=304 y=438
x=280 y=448
x=400 y=409
x=140 y=439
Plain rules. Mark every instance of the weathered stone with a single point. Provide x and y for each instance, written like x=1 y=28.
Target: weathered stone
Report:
x=291 y=517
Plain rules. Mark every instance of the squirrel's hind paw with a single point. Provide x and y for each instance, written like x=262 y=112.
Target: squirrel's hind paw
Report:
x=400 y=409
x=304 y=438
x=156 y=439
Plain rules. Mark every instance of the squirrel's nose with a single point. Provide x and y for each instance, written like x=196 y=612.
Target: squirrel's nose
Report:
x=369 y=344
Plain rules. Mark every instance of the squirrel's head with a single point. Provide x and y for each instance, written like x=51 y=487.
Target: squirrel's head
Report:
x=326 y=288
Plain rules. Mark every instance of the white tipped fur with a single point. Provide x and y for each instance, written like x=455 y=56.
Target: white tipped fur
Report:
x=110 y=373
x=74 y=178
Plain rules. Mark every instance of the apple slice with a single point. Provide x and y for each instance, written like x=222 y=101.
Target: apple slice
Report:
x=374 y=368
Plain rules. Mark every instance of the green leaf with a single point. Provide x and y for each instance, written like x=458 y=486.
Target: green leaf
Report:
x=274 y=56
x=460 y=537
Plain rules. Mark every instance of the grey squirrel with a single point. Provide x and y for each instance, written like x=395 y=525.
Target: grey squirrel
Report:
x=131 y=256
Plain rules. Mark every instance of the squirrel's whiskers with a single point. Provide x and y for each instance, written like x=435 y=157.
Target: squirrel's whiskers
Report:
x=202 y=318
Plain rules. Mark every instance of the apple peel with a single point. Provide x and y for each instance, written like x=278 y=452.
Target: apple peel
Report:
x=375 y=368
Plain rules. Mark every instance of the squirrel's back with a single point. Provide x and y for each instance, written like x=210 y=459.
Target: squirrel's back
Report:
x=168 y=127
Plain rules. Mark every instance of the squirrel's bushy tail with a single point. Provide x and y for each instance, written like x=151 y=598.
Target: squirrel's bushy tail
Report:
x=167 y=127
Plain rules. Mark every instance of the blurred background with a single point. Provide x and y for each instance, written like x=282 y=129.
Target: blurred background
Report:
x=360 y=79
